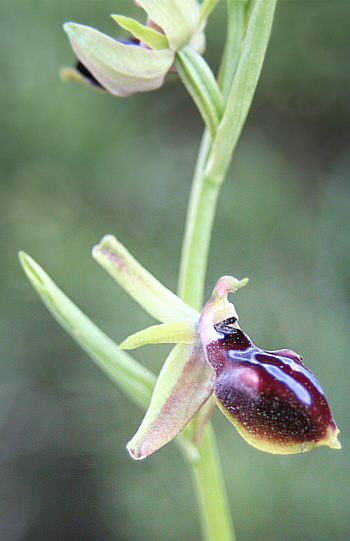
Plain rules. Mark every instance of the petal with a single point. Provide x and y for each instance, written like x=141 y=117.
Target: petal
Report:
x=156 y=299
x=151 y=37
x=183 y=331
x=121 y=69
x=178 y=18
x=184 y=384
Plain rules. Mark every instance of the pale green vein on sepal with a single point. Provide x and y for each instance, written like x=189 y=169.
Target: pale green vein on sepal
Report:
x=183 y=331
x=148 y=35
x=141 y=285
x=184 y=384
x=136 y=382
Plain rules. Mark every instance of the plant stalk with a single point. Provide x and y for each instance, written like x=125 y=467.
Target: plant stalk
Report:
x=197 y=236
x=209 y=486
x=238 y=76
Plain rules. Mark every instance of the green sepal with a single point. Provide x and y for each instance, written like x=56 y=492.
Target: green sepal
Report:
x=177 y=332
x=132 y=377
x=151 y=37
x=178 y=19
x=184 y=384
x=156 y=299
x=120 y=68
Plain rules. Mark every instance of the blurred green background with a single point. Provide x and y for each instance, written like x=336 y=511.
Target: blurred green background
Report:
x=76 y=165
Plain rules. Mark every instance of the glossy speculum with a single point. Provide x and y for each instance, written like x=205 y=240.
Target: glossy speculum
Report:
x=273 y=400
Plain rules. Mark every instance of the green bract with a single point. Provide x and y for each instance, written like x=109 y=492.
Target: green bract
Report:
x=126 y=67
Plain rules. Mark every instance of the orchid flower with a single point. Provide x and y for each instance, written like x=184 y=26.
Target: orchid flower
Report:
x=123 y=67
x=276 y=404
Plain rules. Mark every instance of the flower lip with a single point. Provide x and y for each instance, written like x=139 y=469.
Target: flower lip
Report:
x=229 y=328
x=274 y=401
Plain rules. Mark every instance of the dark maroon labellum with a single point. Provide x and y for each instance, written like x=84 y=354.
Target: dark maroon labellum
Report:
x=273 y=400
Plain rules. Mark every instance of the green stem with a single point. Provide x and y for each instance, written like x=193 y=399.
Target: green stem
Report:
x=238 y=77
x=210 y=490
x=204 y=194
x=199 y=223
x=215 y=158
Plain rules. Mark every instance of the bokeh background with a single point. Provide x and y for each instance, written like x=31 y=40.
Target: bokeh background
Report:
x=76 y=165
